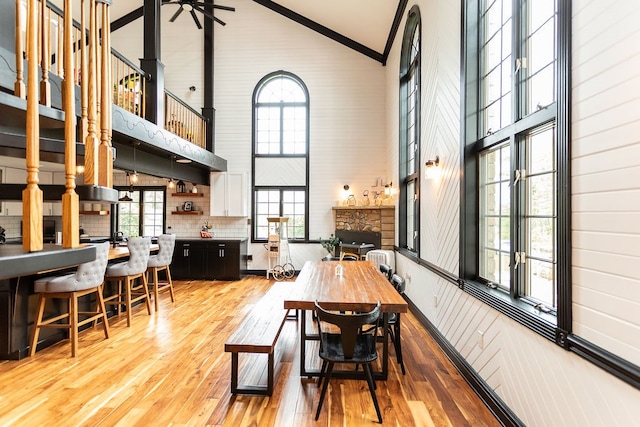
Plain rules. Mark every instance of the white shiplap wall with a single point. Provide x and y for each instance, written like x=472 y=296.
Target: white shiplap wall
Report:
x=606 y=175
x=542 y=383
x=346 y=91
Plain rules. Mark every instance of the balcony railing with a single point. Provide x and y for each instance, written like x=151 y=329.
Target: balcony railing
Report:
x=128 y=81
x=184 y=121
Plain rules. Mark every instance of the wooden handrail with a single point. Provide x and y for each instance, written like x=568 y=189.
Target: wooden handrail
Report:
x=184 y=121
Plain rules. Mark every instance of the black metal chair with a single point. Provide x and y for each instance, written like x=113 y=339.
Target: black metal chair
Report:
x=394 y=322
x=386 y=270
x=350 y=345
x=335 y=258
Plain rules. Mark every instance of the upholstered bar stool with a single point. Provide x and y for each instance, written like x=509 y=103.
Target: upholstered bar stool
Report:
x=126 y=273
x=159 y=262
x=87 y=279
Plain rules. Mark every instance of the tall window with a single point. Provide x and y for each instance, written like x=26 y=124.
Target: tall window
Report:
x=280 y=154
x=410 y=133
x=144 y=215
x=513 y=146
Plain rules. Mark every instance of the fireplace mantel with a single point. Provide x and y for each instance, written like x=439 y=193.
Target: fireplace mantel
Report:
x=374 y=218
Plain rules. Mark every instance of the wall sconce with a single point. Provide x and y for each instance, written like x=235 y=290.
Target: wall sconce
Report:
x=432 y=168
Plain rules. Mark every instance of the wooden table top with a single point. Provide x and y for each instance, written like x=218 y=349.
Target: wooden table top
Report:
x=360 y=286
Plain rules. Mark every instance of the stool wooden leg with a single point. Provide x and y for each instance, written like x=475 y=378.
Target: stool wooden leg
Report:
x=73 y=323
x=101 y=307
x=145 y=288
x=170 y=282
x=128 y=298
x=36 y=325
x=155 y=286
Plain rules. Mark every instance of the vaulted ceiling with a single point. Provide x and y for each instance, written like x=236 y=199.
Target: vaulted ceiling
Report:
x=363 y=25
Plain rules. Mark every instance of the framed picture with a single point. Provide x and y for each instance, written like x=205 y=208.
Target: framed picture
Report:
x=188 y=206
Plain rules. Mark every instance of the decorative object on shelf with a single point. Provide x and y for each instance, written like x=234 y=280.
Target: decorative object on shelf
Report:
x=207 y=226
x=187 y=206
x=182 y=188
x=351 y=200
x=194 y=189
x=365 y=200
x=206 y=235
x=330 y=244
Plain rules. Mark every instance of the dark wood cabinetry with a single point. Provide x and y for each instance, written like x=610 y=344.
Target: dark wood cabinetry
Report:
x=209 y=259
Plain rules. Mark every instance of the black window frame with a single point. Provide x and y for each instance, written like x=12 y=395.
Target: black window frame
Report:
x=410 y=69
x=556 y=324
x=296 y=187
x=115 y=218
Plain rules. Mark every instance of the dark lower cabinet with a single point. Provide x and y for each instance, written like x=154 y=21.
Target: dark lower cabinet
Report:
x=209 y=259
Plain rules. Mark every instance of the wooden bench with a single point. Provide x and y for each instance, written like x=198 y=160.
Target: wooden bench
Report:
x=258 y=333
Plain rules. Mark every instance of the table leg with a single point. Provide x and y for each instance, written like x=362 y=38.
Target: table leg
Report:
x=303 y=342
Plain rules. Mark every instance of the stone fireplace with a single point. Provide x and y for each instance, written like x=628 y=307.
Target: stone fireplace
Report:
x=358 y=221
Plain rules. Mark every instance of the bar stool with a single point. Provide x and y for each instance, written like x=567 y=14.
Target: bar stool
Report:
x=159 y=262
x=87 y=279
x=127 y=272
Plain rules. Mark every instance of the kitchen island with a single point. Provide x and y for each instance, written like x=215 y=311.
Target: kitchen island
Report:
x=18 y=270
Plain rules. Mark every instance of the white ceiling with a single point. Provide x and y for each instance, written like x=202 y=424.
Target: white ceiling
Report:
x=367 y=22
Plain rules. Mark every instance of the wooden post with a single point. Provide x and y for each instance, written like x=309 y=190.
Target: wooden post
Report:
x=105 y=155
x=92 y=142
x=32 y=195
x=84 y=73
x=19 y=88
x=45 y=84
x=70 y=200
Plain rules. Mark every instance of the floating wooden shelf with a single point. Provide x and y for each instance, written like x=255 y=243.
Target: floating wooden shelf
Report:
x=187 y=194
x=186 y=212
x=94 y=212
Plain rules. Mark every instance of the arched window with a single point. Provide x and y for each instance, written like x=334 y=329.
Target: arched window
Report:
x=280 y=154
x=409 y=236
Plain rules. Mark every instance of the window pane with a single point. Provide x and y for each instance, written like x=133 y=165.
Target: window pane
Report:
x=495 y=211
x=293 y=206
x=294 y=130
x=267 y=205
x=540 y=216
x=411 y=212
x=540 y=53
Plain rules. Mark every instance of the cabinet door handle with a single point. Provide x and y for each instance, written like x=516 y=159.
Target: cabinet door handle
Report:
x=185 y=252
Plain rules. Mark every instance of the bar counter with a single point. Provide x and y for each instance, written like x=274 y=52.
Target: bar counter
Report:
x=18 y=302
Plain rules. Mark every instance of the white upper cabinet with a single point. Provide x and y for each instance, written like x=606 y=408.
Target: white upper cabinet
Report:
x=228 y=194
x=13 y=176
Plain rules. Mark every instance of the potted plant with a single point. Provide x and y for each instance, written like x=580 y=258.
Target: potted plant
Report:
x=330 y=243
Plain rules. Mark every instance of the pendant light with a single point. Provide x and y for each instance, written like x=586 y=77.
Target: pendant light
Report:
x=127 y=197
x=171 y=184
x=133 y=178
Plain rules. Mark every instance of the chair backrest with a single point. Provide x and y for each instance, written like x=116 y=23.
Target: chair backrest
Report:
x=398 y=283
x=167 y=243
x=350 y=325
x=138 y=254
x=335 y=258
x=381 y=256
x=91 y=274
x=386 y=270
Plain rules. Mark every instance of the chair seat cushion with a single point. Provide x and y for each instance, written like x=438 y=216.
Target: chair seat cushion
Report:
x=122 y=269
x=332 y=351
x=66 y=283
x=155 y=261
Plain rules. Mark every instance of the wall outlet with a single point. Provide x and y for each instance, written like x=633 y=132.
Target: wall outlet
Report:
x=481 y=340
x=435 y=300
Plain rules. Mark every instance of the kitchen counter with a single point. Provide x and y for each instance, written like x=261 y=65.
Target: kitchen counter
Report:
x=211 y=239
x=15 y=261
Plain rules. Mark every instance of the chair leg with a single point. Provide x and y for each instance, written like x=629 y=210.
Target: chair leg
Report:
x=36 y=325
x=102 y=308
x=129 y=283
x=372 y=386
x=170 y=282
x=322 y=371
x=73 y=323
x=398 y=344
x=154 y=272
x=324 y=388
x=145 y=289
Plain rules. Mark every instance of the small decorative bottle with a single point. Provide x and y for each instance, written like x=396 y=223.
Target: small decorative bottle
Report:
x=339 y=270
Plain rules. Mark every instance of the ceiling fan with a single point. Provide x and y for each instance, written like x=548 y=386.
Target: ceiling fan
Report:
x=192 y=5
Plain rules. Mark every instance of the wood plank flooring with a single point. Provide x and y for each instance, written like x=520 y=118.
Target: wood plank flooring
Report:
x=170 y=368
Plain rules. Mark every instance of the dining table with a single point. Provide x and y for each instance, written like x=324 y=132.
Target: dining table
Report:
x=343 y=286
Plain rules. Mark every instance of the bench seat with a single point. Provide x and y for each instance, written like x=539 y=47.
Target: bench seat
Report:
x=258 y=333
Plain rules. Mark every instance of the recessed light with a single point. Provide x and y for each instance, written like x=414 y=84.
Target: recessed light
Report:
x=183 y=161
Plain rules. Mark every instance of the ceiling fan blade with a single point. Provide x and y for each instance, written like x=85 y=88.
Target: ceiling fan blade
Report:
x=195 y=19
x=209 y=15
x=216 y=6
x=173 y=18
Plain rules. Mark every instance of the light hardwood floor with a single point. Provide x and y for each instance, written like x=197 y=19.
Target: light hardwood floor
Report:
x=170 y=368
